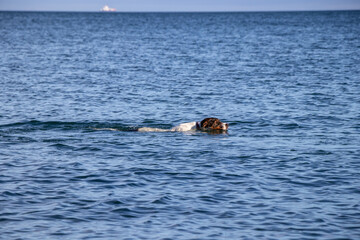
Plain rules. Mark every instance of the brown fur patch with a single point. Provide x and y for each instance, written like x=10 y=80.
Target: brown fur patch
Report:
x=211 y=123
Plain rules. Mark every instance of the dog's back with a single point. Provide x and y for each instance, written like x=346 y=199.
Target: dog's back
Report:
x=184 y=127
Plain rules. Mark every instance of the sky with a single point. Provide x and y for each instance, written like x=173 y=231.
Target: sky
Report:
x=179 y=5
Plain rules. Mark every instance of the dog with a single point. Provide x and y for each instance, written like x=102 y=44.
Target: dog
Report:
x=208 y=124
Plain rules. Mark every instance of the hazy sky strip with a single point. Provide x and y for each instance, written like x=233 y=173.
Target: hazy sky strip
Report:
x=179 y=5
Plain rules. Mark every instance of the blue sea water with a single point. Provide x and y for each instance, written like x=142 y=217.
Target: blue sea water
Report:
x=287 y=83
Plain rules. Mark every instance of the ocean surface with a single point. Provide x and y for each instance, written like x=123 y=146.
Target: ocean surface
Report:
x=74 y=86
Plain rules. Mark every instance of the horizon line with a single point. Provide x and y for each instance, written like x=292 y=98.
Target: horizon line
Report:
x=201 y=11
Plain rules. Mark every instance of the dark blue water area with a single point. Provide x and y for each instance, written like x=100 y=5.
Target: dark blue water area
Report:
x=74 y=86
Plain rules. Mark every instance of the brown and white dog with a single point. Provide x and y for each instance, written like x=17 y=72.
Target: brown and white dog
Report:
x=208 y=124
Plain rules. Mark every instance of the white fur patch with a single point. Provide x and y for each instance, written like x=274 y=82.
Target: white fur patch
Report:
x=149 y=129
x=184 y=127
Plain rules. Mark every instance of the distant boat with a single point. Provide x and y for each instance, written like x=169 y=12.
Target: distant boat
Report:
x=107 y=9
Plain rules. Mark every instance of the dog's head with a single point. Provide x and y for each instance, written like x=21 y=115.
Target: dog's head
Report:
x=211 y=124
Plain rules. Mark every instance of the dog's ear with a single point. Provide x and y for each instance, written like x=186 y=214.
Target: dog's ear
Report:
x=205 y=123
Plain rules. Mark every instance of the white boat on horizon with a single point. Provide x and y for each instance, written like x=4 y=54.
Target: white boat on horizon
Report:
x=106 y=8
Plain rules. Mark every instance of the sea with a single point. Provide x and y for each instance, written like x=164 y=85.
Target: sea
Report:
x=74 y=87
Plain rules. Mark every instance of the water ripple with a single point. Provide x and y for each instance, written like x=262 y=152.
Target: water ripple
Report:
x=75 y=86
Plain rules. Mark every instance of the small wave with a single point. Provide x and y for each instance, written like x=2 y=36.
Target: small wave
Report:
x=289 y=126
x=62 y=146
x=106 y=129
x=34 y=125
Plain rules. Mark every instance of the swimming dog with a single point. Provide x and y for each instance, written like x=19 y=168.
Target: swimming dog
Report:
x=208 y=124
